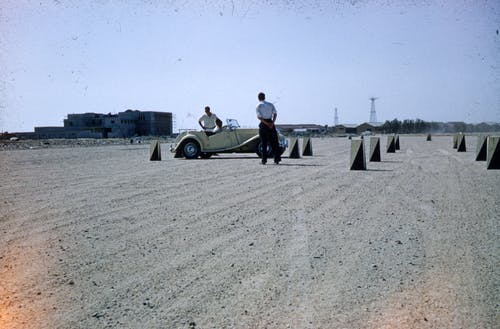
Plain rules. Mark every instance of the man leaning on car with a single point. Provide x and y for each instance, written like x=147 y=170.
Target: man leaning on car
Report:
x=211 y=123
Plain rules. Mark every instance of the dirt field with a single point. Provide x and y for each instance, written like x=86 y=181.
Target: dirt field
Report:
x=100 y=237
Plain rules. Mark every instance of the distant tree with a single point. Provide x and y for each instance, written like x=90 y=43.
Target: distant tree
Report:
x=460 y=127
x=407 y=126
x=393 y=126
x=410 y=126
x=421 y=126
x=436 y=127
x=481 y=127
x=386 y=127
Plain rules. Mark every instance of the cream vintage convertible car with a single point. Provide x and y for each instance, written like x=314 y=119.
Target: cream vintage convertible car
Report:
x=230 y=139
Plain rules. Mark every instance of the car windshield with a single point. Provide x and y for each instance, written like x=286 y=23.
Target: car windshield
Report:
x=232 y=123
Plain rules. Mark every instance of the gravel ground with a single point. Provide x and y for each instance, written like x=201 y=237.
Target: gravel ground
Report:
x=25 y=144
x=100 y=237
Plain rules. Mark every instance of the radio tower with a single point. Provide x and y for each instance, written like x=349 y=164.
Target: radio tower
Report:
x=373 y=114
x=336 y=118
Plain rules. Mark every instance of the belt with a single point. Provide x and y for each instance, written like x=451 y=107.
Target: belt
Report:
x=268 y=120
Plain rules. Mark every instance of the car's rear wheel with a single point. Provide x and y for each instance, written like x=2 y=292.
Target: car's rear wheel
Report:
x=191 y=149
x=269 y=150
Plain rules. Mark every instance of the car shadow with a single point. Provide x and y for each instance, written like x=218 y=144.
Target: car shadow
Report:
x=218 y=157
x=299 y=165
x=253 y=158
x=379 y=169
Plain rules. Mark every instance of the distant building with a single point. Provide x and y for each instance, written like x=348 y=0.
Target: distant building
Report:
x=301 y=128
x=122 y=125
x=346 y=129
x=374 y=127
x=354 y=129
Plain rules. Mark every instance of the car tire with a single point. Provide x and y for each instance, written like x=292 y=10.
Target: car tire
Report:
x=269 y=150
x=191 y=149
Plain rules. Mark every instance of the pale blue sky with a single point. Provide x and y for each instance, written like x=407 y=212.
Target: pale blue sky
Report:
x=433 y=60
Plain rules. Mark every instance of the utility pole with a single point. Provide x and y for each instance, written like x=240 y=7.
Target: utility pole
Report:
x=373 y=114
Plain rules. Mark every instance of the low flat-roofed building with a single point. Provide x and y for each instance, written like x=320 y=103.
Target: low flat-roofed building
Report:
x=98 y=125
x=374 y=127
x=301 y=128
x=346 y=129
x=63 y=132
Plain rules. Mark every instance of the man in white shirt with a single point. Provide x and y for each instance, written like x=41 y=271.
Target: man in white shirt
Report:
x=209 y=122
x=266 y=113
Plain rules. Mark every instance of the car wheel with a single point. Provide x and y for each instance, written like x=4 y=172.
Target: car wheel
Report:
x=191 y=149
x=268 y=149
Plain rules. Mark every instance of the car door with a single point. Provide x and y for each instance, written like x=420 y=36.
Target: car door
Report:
x=222 y=140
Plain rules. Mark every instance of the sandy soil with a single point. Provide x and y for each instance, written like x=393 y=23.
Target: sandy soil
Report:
x=100 y=237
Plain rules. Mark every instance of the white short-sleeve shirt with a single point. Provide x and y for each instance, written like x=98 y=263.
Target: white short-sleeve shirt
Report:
x=209 y=121
x=265 y=110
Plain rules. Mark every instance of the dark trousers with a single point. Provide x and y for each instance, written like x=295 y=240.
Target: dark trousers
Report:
x=269 y=136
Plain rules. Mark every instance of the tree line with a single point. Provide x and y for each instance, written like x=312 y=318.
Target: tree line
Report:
x=418 y=126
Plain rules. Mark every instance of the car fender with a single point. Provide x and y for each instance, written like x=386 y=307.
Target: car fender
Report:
x=177 y=149
x=252 y=139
